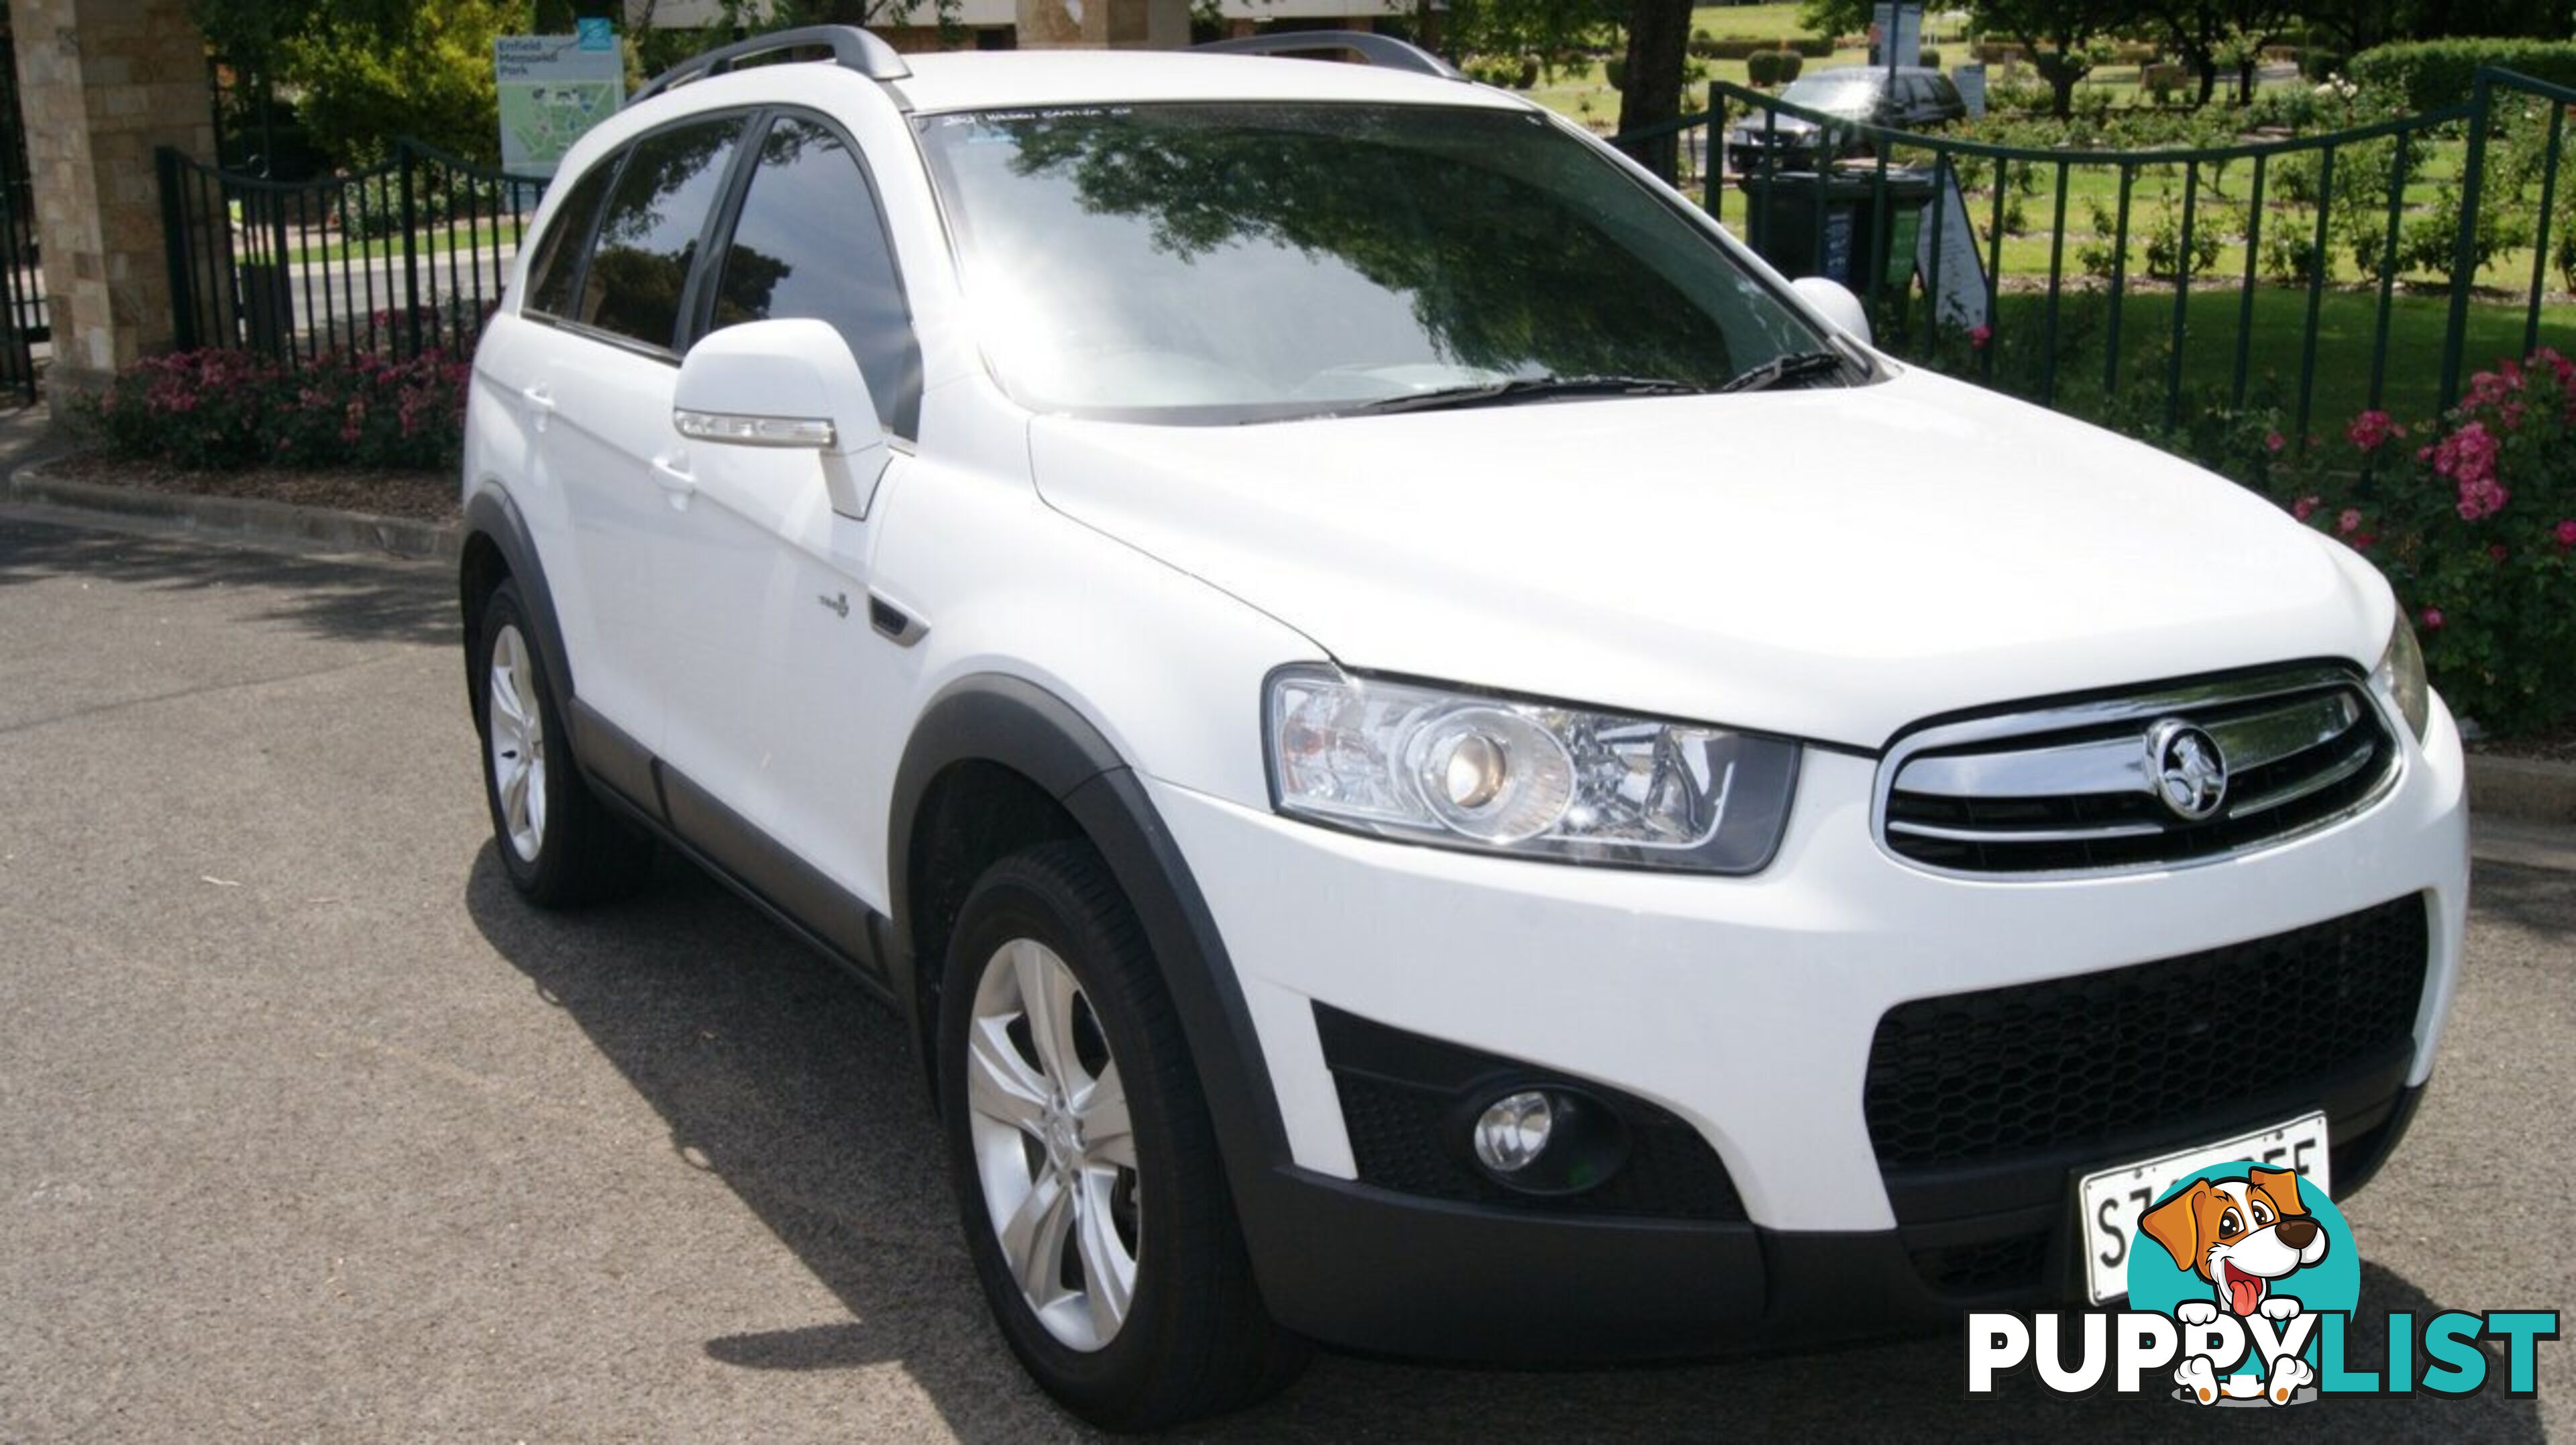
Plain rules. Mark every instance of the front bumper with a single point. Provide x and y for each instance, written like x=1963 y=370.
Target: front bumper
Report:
x=1369 y=1269
x=1746 y=1008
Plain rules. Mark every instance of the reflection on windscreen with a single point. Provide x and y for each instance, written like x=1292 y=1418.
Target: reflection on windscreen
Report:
x=1240 y=261
x=1847 y=95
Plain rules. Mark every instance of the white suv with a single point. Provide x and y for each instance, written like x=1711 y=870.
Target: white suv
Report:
x=1439 y=761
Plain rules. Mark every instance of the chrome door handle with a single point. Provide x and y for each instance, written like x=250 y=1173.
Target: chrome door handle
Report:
x=678 y=484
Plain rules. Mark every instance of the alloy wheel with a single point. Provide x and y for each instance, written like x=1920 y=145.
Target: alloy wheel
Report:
x=516 y=722
x=1055 y=1153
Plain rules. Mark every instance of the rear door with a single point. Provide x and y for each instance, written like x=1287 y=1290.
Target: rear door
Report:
x=606 y=395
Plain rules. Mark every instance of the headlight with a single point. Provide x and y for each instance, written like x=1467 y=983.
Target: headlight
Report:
x=1533 y=779
x=2400 y=676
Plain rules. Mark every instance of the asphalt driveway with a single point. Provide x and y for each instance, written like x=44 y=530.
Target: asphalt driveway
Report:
x=308 y=1130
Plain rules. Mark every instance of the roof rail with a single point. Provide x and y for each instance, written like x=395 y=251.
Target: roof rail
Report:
x=1372 y=49
x=851 y=47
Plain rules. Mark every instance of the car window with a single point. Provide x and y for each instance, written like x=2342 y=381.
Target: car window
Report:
x=551 y=274
x=1222 y=262
x=811 y=244
x=1839 y=94
x=649 y=233
x=1944 y=94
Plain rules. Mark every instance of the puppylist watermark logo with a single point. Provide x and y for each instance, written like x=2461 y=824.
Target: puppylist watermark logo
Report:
x=2243 y=1286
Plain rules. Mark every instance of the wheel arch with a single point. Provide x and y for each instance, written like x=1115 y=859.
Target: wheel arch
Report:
x=997 y=763
x=498 y=547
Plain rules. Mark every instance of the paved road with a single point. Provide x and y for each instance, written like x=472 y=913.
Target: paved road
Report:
x=309 y=1130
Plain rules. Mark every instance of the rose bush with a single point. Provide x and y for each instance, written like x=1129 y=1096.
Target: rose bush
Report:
x=220 y=409
x=2474 y=521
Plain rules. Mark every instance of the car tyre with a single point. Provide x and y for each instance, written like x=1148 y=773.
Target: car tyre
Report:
x=1111 y=1256
x=559 y=844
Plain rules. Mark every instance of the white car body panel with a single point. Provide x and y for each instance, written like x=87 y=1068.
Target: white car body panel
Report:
x=1828 y=564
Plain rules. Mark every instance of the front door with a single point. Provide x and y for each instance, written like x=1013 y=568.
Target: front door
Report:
x=766 y=586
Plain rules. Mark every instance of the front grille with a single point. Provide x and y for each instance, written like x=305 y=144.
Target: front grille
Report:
x=2074 y=788
x=2044 y=1067
x=1989 y=1266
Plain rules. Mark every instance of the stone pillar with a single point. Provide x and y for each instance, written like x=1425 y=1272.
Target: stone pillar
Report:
x=1104 y=24
x=101 y=84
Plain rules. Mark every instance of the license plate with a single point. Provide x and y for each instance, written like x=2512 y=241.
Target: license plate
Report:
x=2109 y=1202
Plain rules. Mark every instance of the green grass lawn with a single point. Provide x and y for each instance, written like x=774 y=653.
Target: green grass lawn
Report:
x=433 y=241
x=2347 y=325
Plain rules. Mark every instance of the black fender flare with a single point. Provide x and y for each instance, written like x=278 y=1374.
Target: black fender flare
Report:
x=492 y=515
x=1012 y=722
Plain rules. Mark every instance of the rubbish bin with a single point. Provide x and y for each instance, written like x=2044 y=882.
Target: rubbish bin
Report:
x=1808 y=223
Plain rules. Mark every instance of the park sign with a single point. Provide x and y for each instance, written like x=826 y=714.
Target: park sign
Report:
x=553 y=88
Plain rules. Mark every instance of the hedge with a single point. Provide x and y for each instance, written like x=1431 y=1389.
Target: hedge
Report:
x=224 y=410
x=2430 y=74
x=1773 y=67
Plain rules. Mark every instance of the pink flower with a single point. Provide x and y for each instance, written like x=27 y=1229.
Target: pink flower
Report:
x=2498 y=552
x=2349 y=522
x=2371 y=428
x=2306 y=507
x=2274 y=441
x=1978 y=336
x=2363 y=542
x=2431 y=617
x=2468 y=457
x=2567 y=533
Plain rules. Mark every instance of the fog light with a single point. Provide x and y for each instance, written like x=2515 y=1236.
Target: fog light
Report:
x=1513 y=1131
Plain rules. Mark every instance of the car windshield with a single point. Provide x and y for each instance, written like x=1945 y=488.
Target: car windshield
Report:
x=1234 y=261
x=1835 y=94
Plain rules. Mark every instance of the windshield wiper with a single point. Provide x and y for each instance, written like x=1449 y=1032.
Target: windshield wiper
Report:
x=1527 y=388
x=1796 y=366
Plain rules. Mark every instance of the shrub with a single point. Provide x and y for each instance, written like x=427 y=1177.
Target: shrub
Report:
x=2474 y=521
x=1930 y=59
x=224 y=409
x=1812 y=47
x=2162 y=235
x=2429 y=74
x=1732 y=47
x=1774 y=67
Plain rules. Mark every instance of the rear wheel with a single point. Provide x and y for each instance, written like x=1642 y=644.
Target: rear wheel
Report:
x=1087 y=1173
x=559 y=844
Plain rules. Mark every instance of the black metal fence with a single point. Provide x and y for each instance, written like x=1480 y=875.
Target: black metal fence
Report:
x=23 y=318
x=2320 y=273
x=406 y=257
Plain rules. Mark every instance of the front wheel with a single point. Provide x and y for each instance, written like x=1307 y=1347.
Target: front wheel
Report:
x=1087 y=1173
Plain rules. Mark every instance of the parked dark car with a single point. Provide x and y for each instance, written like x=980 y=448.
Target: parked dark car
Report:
x=1908 y=98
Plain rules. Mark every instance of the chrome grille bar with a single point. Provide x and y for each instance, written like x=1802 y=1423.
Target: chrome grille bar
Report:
x=2072 y=789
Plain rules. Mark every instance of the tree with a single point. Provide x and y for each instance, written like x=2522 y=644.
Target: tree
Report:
x=365 y=72
x=2211 y=34
x=1658 y=51
x=2057 y=35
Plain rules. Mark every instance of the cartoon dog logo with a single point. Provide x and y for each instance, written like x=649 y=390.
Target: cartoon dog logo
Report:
x=2242 y=1236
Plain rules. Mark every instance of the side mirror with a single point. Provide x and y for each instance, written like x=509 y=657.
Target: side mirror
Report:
x=789 y=383
x=1834 y=301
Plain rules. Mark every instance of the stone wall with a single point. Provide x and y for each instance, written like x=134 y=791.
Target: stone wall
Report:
x=102 y=83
